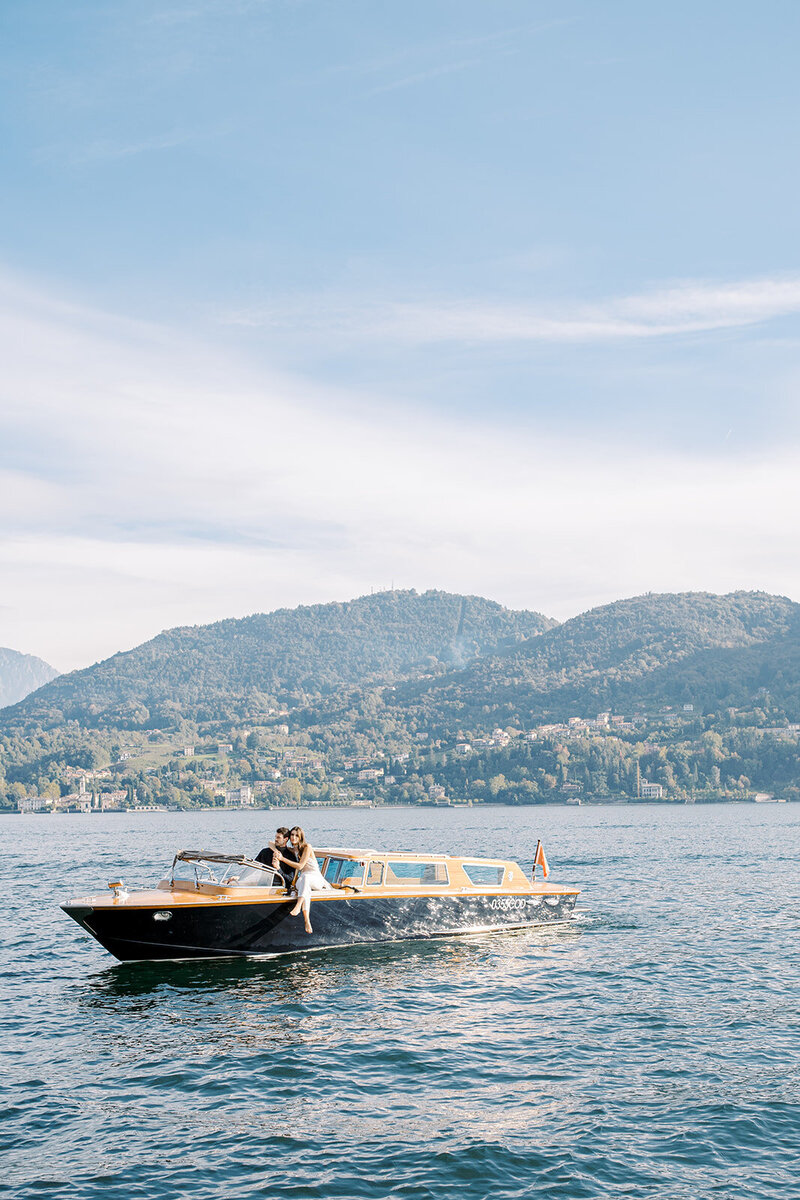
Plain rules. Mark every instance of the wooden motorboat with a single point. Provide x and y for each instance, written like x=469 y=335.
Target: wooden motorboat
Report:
x=226 y=905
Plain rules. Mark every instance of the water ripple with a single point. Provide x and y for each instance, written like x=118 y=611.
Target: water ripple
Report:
x=653 y=1050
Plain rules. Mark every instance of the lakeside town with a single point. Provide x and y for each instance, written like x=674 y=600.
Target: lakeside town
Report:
x=268 y=767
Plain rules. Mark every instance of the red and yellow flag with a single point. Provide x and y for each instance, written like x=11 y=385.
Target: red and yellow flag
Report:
x=540 y=860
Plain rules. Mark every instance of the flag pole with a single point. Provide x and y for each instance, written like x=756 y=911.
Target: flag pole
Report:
x=535 y=856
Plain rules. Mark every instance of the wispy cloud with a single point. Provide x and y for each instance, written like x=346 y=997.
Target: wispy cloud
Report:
x=108 y=148
x=188 y=13
x=424 y=76
x=690 y=307
x=199 y=487
x=429 y=56
x=111 y=149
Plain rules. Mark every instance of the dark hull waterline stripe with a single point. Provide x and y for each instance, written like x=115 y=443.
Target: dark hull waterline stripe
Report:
x=205 y=954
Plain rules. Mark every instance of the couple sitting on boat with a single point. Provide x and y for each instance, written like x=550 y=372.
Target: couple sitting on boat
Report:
x=294 y=857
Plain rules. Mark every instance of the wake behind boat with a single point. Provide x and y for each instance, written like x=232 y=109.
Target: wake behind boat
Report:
x=226 y=905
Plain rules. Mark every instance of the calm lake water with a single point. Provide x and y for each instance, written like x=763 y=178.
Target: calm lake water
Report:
x=651 y=1051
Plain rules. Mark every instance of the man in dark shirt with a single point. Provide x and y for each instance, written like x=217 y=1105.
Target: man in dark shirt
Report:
x=281 y=843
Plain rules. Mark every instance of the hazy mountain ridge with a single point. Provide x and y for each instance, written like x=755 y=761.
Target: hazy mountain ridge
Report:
x=203 y=671
x=21 y=674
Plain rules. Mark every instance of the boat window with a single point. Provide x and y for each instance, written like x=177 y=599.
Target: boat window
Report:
x=407 y=874
x=375 y=874
x=239 y=875
x=342 y=871
x=486 y=874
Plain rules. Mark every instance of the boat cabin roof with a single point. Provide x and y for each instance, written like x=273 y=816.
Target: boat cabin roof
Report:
x=349 y=852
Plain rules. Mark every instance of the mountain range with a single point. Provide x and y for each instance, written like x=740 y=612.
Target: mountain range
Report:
x=392 y=673
x=708 y=650
x=449 y=657
x=238 y=666
x=21 y=674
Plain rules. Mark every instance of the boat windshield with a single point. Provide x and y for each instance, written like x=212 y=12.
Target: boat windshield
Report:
x=241 y=875
x=192 y=872
x=225 y=873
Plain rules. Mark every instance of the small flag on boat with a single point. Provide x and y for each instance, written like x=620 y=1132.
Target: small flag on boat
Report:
x=540 y=860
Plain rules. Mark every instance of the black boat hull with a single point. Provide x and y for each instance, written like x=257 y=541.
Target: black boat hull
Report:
x=246 y=930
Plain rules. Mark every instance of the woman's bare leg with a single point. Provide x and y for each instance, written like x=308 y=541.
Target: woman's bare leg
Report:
x=302 y=891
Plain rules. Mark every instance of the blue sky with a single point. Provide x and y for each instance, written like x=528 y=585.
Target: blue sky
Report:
x=303 y=298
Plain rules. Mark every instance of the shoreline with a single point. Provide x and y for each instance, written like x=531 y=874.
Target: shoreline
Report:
x=160 y=812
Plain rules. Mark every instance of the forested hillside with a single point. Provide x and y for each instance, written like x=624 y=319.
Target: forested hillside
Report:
x=21 y=674
x=242 y=667
x=406 y=698
x=696 y=648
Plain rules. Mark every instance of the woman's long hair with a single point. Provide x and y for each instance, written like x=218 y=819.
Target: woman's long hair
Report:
x=301 y=843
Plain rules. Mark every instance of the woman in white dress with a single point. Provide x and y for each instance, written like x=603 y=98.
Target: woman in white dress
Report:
x=309 y=878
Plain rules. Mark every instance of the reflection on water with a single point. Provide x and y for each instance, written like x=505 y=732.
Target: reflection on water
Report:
x=256 y=1005
x=304 y=976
